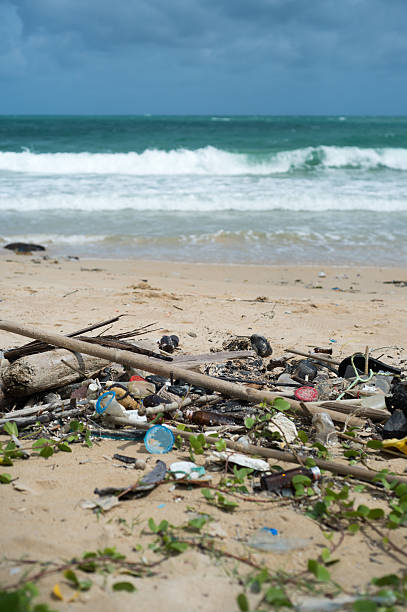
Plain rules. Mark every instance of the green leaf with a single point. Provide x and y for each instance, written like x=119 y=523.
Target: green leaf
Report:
x=320 y=572
x=47 y=451
x=208 y=494
x=41 y=442
x=281 y=404
x=276 y=597
x=302 y=436
x=178 y=547
x=401 y=489
x=387 y=580
x=249 y=422
x=301 y=479
x=124 y=586
x=363 y=510
x=220 y=445
x=11 y=428
x=364 y=605
x=152 y=525
x=310 y=462
x=197 y=523
x=5 y=478
x=243 y=603
x=72 y=577
x=353 y=528
x=375 y=514
x=163 y=526
x=76 y=426
x=325 y=554
x=64 y=446
x=375 y=444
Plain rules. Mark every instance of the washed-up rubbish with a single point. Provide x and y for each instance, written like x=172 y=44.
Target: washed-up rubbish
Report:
x=400 y=445
x=159 y=440
x=140 y=387
x=258 y=465
x=325 y=432
x=284 y=426
x=124 y=397
x=266 y=541
x=306 y=370
x=398 y=399
x=138 y=464
x=141 y=488
x=261 y=345
x=104 y=502
x=285 y=379
x=154 y=400
x=346 y=369
x=284 y=480
x=168 y=343
x=110 y=407
x=207 y=417
x=376 y=400
x=306 y=394
x=187 y=470
x=395 y=426
x=343 y=602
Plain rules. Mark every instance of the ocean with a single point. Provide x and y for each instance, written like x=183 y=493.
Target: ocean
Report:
x=256 y=189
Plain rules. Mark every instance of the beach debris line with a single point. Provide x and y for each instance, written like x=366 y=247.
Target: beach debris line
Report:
x=235 y=404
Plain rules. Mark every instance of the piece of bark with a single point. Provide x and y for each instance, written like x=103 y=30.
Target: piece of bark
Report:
x=43 y=371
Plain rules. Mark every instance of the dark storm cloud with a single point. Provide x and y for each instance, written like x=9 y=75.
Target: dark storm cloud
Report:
x=199 y=39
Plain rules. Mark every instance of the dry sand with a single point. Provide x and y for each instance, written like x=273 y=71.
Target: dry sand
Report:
x=204 y=305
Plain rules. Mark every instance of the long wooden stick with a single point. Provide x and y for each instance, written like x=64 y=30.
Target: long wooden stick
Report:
x=145 y=363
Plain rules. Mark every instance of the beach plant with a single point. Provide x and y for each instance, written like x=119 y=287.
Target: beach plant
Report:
x=21 y=600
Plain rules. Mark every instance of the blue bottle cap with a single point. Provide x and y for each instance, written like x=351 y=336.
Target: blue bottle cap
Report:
x=159 y=440
x=101 y=407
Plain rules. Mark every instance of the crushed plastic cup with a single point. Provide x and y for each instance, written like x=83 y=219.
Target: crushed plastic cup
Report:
x=159 y=440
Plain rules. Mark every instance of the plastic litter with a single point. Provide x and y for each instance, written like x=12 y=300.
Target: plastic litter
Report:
x=306 y=394
x=283 y=480
x=261 y=345
x=159 y=440
x=285 y=427
x=264 y=540
x=395 y=426
x=258 y=465
x=325 y=432
x=187 y=470
x=400 y=445
x=306 y=370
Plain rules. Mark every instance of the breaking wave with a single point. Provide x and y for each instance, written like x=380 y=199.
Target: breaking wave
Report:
x=208 y=161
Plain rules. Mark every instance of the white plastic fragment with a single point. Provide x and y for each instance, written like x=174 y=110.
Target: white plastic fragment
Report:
x=285 y=427
x=255 y=464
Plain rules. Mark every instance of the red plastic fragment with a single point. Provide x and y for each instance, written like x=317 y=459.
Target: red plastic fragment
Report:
x=306 y=394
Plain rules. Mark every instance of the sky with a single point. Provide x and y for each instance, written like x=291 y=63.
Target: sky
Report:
x=332 y=57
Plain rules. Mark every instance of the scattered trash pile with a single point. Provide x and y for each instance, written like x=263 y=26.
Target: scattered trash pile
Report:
x=235 y=404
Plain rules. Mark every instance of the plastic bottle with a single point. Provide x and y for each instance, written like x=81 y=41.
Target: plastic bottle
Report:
x=325 y=432
x=206 y=417
x=283 y=480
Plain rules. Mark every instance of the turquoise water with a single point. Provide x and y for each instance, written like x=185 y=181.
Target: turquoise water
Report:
x=230 y=189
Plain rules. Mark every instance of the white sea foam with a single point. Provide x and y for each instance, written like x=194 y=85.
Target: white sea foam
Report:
x=208 y=161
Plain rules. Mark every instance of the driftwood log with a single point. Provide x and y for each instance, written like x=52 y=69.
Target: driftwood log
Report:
x=36 y=373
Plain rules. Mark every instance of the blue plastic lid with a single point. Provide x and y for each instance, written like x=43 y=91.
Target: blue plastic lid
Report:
x=159 y=440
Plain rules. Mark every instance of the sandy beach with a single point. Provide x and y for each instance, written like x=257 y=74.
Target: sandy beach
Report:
x=346 y=308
